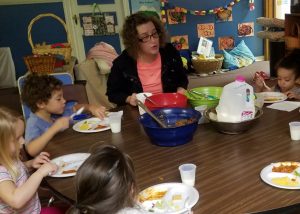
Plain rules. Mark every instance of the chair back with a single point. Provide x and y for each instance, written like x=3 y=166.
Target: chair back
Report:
x=66 y=79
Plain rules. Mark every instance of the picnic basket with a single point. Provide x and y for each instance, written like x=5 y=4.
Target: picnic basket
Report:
x=40 y=64
x=204 y=66
x=43 y=49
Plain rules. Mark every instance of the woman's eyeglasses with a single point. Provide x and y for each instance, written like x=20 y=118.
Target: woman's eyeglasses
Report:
x=147 y=38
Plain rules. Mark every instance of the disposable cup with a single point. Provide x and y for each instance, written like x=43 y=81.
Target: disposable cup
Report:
x=295 y=130
x=115 y=122
x=141 y=97
x=188 y=173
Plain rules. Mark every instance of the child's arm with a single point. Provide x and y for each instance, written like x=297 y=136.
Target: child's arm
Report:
x=98 y=111
x=35 y=146
x=17 y=197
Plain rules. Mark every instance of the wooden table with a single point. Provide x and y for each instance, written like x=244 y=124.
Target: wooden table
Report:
x=228 y=166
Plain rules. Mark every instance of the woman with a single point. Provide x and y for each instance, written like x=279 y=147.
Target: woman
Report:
x=147 y=64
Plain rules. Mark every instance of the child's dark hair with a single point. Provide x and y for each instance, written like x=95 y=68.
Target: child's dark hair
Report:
x=105 y=183
x=291 y=61
x=38 y=88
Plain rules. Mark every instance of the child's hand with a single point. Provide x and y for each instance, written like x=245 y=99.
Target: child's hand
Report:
x=47 y=169
x=259 y=84
x=97 y=111
x=62 y=123
x=292 y=95
x=39 y=160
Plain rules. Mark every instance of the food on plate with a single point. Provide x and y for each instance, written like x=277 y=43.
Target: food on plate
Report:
x=285 y=181
x=287 y=167
x=152 y=194
x=84 y=126
x=100 y=127
x=177 y=197
x=272 y=99
x=69 y=171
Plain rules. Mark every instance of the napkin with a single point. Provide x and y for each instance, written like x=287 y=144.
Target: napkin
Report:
x=285 y=106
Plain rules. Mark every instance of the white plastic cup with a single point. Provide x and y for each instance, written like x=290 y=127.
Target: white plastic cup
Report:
x=295 y=130
x=141 y=97
x=188 y=173
x=115 y=122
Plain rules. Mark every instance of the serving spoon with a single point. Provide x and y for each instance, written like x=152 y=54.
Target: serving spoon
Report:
x=140 y=104
x=210 y=97
x=148 y=98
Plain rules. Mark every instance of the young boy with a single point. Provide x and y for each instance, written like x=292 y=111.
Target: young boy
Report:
x=44 y=96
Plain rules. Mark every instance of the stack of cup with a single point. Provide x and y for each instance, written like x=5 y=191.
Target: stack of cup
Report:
x=142 y=97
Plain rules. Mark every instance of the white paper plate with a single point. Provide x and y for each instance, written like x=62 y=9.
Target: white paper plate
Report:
x=69 y=162
x=186 y=193
x=90 y=125
x=267 y=175
x=273 y=97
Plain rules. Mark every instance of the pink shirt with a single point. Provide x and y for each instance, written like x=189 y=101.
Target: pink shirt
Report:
x=150 y=75
x=33 y=206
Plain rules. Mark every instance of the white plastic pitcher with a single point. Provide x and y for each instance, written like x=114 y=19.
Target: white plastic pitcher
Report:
x=236 y=102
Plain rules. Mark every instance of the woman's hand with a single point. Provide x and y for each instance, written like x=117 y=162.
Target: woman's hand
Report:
x=181 y=90
x=97 y=111
x=131 y=99
x=39 y=160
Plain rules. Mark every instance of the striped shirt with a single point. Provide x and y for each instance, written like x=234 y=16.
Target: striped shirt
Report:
x=33 y=206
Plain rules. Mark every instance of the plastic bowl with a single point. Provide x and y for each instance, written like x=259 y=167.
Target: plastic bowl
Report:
x=171 y=136
x=166 y=100
x=198 y=100
x=232 y=128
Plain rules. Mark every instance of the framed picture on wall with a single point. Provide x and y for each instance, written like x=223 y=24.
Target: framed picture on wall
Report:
x=145 y=5
x=246 y=29
x=206 y=30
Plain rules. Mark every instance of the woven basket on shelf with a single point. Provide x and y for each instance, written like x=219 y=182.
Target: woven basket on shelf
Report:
x=204 y=66
x=40 y=64
x=47 y=49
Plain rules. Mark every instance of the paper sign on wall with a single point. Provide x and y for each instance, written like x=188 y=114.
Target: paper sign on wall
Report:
x=204 y=46
x=206 y=30
x=180 y=42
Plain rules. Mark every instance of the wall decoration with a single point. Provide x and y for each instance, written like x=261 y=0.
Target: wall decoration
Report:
x=251 y=5
x=204 y=46
x=180 y=42
x=98 y=23
x=226 y=42
x=246 y=29
x=145 y=5
x=176 y=17
x=224 y=15
x=206 y=30
x=165 y=5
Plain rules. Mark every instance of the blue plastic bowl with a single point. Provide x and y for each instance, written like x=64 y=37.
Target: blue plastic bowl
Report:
x=171 y=136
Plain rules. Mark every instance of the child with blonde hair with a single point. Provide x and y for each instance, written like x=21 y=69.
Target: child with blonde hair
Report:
x=18 y=190
x=105 y=183
x=288 y=73
x=44 y=96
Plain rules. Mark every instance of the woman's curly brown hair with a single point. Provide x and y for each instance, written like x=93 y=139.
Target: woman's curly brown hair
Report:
x=38 y=88
x=130 y=34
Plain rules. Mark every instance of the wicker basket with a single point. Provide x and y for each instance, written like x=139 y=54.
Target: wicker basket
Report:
x=40 y=64
x=204 y=66
x=47 y=49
